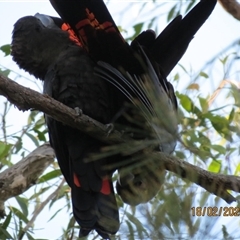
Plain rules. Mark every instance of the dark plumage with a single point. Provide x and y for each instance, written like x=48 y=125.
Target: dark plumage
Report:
x=34 y=48
x=100 y=36
x=67 y=71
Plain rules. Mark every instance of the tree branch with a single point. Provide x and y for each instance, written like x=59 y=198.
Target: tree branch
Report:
x=17 y=179
x=217 y=184
x=25 y=98
x=232 y=7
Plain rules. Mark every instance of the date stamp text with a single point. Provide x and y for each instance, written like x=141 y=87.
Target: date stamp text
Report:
x=215 y=211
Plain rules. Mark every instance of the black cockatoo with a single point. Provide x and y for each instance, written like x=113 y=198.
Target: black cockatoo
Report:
x=67 y=67
x=101 y=38
x=49 y=54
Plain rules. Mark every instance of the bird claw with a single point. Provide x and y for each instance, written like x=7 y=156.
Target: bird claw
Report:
x=78 y=111
x=109 y=128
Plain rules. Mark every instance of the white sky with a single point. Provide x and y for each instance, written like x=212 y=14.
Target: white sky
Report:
x=218 y=32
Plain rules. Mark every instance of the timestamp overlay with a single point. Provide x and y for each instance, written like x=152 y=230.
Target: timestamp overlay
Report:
x=215 y=211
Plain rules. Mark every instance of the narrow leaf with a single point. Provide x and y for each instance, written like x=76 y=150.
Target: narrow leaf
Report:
x=215 y=166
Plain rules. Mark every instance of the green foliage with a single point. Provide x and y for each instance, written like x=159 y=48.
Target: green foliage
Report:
x=6 y=49
x=5 y=72
x=4 y=234
x=4 y=152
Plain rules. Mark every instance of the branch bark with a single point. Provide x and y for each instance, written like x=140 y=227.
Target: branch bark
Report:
x=25 y=99
x=218 y=184
x=232 y=7
x=20 y=177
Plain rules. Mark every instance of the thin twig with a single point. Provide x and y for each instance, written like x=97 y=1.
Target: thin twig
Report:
x=232 y=7
x=40 y=208
x=220 y=87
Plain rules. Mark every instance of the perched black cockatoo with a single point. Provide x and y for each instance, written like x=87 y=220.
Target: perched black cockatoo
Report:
x=101 y=38
x=67 y=66
x=49 y=54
